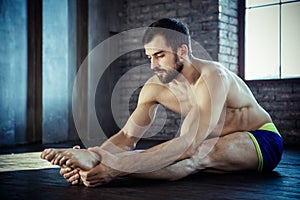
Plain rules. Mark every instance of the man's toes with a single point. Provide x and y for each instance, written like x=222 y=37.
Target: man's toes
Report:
x=62 y=161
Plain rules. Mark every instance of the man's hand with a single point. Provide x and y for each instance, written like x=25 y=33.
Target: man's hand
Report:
x=71 y=175
x=99 y=175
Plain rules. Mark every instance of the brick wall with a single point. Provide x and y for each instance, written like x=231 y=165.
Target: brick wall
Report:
x=281 y=98
x=228 y=34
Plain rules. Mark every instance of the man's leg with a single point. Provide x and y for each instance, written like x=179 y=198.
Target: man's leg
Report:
x=234 y=152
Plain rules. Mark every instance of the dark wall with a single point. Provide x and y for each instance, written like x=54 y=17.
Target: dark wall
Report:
x=281 y=98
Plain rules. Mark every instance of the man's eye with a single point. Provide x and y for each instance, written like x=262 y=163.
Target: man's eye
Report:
x=160 y=55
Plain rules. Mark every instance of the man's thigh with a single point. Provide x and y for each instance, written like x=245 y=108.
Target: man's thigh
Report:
x=233 y=152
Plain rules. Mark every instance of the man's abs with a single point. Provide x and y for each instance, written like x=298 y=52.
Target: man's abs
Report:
x=242 y=119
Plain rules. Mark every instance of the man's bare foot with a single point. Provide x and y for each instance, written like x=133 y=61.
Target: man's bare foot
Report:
x=49 y=154
x=74 y=158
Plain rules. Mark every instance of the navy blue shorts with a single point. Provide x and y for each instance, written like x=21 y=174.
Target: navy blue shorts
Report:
x=268 y=143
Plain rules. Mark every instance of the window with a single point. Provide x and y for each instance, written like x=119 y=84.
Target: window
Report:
x=272 y=42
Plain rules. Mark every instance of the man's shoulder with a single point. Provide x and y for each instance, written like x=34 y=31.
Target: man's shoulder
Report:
x=214 y=76
x=151 y=89
x=211 y=70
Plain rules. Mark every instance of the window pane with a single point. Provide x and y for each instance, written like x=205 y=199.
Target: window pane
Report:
x=262 y=43
x=290 y=49
x=250 y=3
x=283 y=1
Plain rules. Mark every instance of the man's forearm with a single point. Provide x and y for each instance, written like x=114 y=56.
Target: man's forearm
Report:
x=175 y=171
x=119 y=143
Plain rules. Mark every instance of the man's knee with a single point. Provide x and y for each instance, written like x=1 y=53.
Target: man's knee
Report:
x=204 y=156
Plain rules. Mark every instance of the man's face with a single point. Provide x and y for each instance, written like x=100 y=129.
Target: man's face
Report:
x=164 y=62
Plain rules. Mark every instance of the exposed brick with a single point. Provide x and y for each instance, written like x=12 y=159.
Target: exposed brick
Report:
x=223 y=34
x=171 y=13
x=234 y=51
x=183 y=5
x=296 y=87
x=254 y=90
x=225 y=50
x=232 y=59
x=298 y=123
x=285 y=124
x=288 y=97
x=228 y=43
x=158 y=7
x=282 y=106
x=223 y=18
x=196 y=3
x=265 y=97
x=183 y=12
x=233 y=20
x=232 y=28
x=233 y=68
x=223 y=58
x=232 y=36
x=275 y=88
x=145 y=9
x=230 y=12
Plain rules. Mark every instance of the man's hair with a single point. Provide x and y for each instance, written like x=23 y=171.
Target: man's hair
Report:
x=174 y=31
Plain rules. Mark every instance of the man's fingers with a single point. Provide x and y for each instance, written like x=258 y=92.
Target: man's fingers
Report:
x=64 y=170
x=88 y=175
x=73 y=178
x=75 y=182
x=69 y=175
x=93 y=184
x=62 y=161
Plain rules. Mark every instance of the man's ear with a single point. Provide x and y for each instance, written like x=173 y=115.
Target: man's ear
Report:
x=183 y=51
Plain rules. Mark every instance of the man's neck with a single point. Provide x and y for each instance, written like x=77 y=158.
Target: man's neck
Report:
x=190 y=70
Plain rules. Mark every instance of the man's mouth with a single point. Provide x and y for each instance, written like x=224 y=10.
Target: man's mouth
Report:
x=159 y=71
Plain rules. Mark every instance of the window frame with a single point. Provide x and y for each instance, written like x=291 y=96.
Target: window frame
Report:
x=241 y=42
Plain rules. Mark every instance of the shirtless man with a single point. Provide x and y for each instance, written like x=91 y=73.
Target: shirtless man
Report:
x=224 y=129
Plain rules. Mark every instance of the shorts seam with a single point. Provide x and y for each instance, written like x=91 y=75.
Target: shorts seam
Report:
x=258 y=150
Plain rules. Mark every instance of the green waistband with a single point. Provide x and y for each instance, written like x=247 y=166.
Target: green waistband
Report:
x=270 y=127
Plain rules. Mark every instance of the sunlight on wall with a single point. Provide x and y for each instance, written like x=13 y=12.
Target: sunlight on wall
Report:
x=55 y=70
x=13 y=75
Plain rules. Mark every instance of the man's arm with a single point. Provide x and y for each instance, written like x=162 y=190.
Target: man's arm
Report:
x=172 y=172
x=211 y=95
x=137 y=124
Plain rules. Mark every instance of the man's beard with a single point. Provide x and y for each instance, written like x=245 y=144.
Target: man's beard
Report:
x=172 y=73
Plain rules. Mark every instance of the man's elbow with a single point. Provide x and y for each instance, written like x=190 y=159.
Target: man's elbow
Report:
x=188 y=153
x=130 y=141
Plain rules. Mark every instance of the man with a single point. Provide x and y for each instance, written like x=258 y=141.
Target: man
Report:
x=224 y=129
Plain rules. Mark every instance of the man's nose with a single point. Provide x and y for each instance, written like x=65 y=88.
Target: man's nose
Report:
x=154 y=64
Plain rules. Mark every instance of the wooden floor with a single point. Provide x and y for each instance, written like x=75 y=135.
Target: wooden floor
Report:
x=26 y=176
